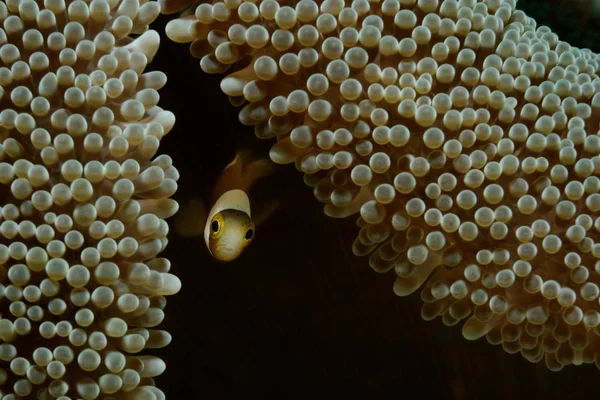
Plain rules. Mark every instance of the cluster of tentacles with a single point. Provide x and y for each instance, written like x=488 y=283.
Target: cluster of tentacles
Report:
x=463 y=133
x=84 y=201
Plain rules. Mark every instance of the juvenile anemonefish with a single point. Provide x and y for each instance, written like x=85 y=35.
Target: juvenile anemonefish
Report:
x=228 y=227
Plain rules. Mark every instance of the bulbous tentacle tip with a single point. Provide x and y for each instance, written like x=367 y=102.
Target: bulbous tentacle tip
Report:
x=171 y=285
x=404 y=286
x=147 y=44
x=283 y=152
x=475 y=329
x=166 y=119
x=233 y=86
x=179 y=30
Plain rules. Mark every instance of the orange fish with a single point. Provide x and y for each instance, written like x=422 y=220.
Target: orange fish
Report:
x=228 y=227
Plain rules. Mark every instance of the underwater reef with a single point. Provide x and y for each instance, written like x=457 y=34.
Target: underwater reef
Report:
x=464 y=135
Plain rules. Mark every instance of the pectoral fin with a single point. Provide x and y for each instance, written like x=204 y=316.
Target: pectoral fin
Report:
x=264 y=211
x=190 y=220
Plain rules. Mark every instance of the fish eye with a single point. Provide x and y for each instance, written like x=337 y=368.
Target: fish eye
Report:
x=249 y=234
x=215 y=225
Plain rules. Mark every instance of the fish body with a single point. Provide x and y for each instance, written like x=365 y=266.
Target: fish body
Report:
x=227 y=227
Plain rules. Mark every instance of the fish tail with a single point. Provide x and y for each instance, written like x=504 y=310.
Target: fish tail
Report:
x=256 y=170
x=242 y=173
x=244 y=156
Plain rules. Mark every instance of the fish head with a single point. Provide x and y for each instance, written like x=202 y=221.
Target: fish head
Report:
x=230 y=232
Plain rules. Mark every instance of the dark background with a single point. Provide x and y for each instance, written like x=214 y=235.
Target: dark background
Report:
x=298 y=315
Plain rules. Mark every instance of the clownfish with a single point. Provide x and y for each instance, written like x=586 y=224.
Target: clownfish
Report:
x=228 y=228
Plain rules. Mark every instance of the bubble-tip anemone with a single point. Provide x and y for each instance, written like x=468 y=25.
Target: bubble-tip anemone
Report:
x=465 y=136
x=84 y=206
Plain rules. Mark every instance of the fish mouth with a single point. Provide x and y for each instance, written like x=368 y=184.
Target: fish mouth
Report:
x=227 y=253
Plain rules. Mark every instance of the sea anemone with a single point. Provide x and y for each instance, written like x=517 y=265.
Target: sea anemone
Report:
x=84 y=206
x=465 y=136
